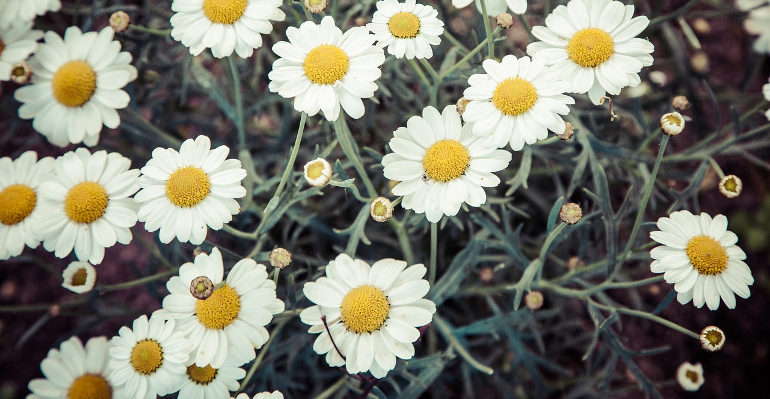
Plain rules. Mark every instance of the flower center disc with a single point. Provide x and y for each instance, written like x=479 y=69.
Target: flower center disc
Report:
x=326 y=64
x=74 y=83
x=90 y=386
x=692 y=376
x=85 y=202
x=17 y=201
x=147 y=356
x=514 y=96
x=714 y=337
x=446 y=160
x=224 y=11
x=201 y=375
x=364 y=309
x=730 y=185
x=590 y=47
x=79 y=278
x=404 y=25
x=706 y=255
x=188 y=186
x=380 y=209
x=220 y=309
x=315 y=170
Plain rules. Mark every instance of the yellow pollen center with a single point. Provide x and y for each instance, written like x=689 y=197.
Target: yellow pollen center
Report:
x=315 y=169
x=201 y=375
x=147 y=356
x=730 y=185
x=364 y=309
x=706 y=255
x=380 y=209
x=714 y=337
x=17 y=201
x=220 y=309
x=446 y=160
x=514 y=96
x=85 y=202
x=672 y=120
x=590 y=47
x=404 y=25
x=326 y=64
x=90 y=386
x=188 y=186
x=224 y=11
x=74 y=83
x=79 y=278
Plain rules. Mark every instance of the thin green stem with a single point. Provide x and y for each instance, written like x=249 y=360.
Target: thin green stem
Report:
x=429 y=68
x=716 y=167
x=328 y=392
x=137 y=282
x=275 y=276
x=261 y=356
x=646 y=315
x=403 y=239
x=420 y=73
x=454 y=41
x=527 y=26
x=433 y=252
x=238 y=102
x=465 y=59
x=351 y=151
x=487 y=30
x=292 y=156
x=152 y=31
x=446 y=332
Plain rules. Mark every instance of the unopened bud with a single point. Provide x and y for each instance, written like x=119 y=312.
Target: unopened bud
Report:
x=119 y=21
x=504 y=20
x=486 y=275
x=568 y=132
x=381 y=209
x=315 y=6
x=575 y=263
x=534 y=300
x=570 y=213
x=680 y=102
x=701 y=26
x=318 y=172
x=672 y=123
x=280 y=258
x=20 y=73
x=731 y=186
x=658 y=77
x=201 y=287
x=699 y=62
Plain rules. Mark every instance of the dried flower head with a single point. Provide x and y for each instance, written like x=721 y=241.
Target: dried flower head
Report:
x=462 y=102
x=534 y=300
x=201 y=287
x=680 y=102
x=119 y=21
x=20 y=73
x=712 y=338
x=315 y=6
x=672 y=123
x=730 y=186
x=504 y=20
x=318 y=172
x=280 y=258
x=381 y=209
x=569 y=131
x=690 y=376
x=570 y=213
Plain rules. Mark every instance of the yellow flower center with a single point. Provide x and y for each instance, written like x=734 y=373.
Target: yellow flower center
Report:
x=201 y=375
x=79 y=278
x=590 y=47
x=730 y=185
x=446 y=160
x=364 y=309
x=315 y=169
x=85 y=202
x=17 y=201
x=147 y=356
x=326 y=64
x=706 y=255
x=673 y=120
x=90 y=386
x=379 y=209
x=74 y=83
x=514 y=96
x=220 y=309
x=404 y=25
x=188 y=186
x=224 y=11
x=714 y=337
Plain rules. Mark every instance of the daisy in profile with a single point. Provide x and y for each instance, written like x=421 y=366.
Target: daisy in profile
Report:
x=14 y=12
x=323 y=69
x=406 y=29
x=700 y=258
x=211 y=383
x=229 y=319
x=516 y=101
x=495 y=7
x=184 y=191
x=79 y=277
x=757 y=22
x=20 y=180
x=440 y=164
x=372 y=313
x=224 y=25
x=76 y=86
x=17 y=42
x=593 y=45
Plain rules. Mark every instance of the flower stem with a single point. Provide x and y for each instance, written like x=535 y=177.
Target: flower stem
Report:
x=238 y=102
x=152 y=31
x=292 y=156
x=433 y=254
x=261 y=356
x=488 y=30
x=350 y=151
x=646 y=315
x=420 y=73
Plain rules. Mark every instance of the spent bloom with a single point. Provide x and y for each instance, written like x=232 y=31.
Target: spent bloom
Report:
x=672 y=123
x=712 y=338
x=731 y=186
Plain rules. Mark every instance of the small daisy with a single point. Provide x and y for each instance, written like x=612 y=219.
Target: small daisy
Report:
x=149 y=359
x=758 y=22
x=87 y=204
x=211 y=383
x=261 y=395
x=232 y=318
x=20 y=180
x=407 y=29
x=495 y=7
x=712 y=338
x=17 y=42
x=700 y=258
x=14 y=12
x=690 y=376
x=371 y=312
x=224 y=25
x=184 y=191
x=323 y=69
x=79 y=277
x=318 y=172
x=440 y=164
x=593 y=45
x=515 y=102
x=76 y=86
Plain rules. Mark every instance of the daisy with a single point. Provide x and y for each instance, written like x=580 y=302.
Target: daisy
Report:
x=211 y=383
x=758 y=22
x=323 y=69
x=700 y=258
x=17 y=42
x=515 y=102
x=232 y=318
x=20 y=180
x=407 y=29
x=79 y=277
x=371 y=313
x=766 y=93
x=495 y=7
x=592 y=44
x=184 y=191
x=690 y=376
x=76 y=86
x=440 y=164
x=224 y=25
x=712 y=338
x=14 y=12
x=149 y=359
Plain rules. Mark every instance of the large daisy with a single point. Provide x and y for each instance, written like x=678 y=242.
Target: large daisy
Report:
x=700 y=258
x=593 y=45
x=407 y=29
x=88 y=204
x=440 y=164
x=495 y=7
x=371 y=313
x=323 y=69
x=211 y=383
x=17 y=42
x=224 y=25
x=515 y=102
x=757 y=22
x=13 y=12
x=76 y=86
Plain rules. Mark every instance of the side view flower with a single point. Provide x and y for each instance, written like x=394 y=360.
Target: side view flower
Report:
x=406 y=29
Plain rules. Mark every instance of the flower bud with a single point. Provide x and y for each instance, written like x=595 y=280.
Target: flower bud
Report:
x=315 y=6
x=731 y=186
x=712 y=338
x=381 y=209
x=119 y=21
x=570 y=213
x=680 y=102
x=534 y=300
x=318 y=172
x=20 y=73
x=280 y=258
x=201 y=287
x=672 y=123
x=504 y=20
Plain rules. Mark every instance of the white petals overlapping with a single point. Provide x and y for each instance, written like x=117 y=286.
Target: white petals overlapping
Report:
x=18 y=42
x=15 y=12
x=429 y=33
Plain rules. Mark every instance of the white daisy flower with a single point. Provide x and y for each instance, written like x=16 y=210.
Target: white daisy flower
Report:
x=232 y=318
x=13 y=12
x=690 y=376
x=76 y=86
x=516 y=101
x=495 y=7
x=148 y=360
x=440 y=164
x=88 y=204
x=407 y=29
x=700 y=258
x=318 y=172
x=20 y=180
x=322 y=69
x=712 y=338
x=17 y=42
x=592 y=44
x=371 y=312
x=79 y=277
x=224 y=25
x=211 y=383
x=757 y=22
x=766 y=93
x=261 y=395
x=184 y=191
